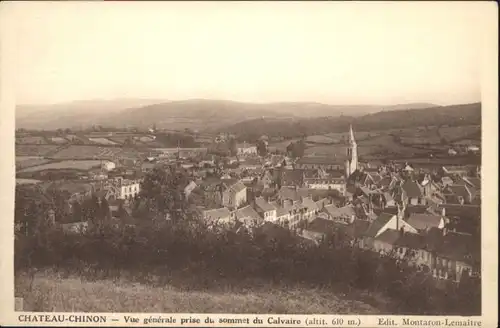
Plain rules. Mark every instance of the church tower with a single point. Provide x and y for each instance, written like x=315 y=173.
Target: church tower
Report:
x=352 y=154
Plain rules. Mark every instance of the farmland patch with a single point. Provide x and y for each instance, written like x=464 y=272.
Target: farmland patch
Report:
x=83 y=165
x=102 y=141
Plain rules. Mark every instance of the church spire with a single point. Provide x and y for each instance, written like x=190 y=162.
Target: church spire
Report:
x=352 y=153
x=352 y=141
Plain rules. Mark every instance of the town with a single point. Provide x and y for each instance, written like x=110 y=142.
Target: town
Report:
x=427 y=212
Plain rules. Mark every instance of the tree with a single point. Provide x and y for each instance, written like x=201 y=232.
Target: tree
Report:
x=103 y=210
x=262 y=148
x=296 y=149
x=128 y=142
x=233 y=148
x=163 y=191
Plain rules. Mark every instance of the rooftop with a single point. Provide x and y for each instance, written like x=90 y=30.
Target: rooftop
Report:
x=422 y=221
x=217 y=213
x=378 y=224
x=389 y=236
x=246 y=212
x=317 y=160
x=412 y=189
x=263 y=204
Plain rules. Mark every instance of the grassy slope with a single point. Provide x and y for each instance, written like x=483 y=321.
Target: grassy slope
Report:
x=52 y=293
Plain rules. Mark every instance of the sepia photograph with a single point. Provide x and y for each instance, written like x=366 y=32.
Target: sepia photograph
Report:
x=308 y=158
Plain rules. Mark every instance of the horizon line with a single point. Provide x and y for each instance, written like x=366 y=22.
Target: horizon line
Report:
x=434 y=104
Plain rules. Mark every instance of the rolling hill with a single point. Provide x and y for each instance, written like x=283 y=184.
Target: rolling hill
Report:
x=454 y=115
x=77 y=114
x=199 y=114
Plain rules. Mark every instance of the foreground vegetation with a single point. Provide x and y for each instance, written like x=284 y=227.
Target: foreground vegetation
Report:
x=61 y=292
x=187 y=258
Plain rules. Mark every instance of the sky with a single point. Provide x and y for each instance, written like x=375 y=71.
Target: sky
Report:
x=329 y=52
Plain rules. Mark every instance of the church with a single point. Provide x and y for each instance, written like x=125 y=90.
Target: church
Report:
x=346 y=163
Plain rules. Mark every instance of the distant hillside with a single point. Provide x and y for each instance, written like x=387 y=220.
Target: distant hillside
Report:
x=199 y=114
x=194 y=114
x=322 y=110
x=75 y=114
x=467 y=114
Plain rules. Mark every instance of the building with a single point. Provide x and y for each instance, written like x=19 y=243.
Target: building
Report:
x=75 y=227
x=346 y=214
x=248 y=217
x=123 y=188
x=188 y=189
x=266 y=210
x=385 y=221
x=234 y=194
x=218 y=216
x=246 y=149
x=329 y=183
x=352 y=154
x=108 y=165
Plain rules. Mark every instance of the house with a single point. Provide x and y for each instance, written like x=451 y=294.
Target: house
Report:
x=320 y=204
x=452 y=152
x=457 y=254
x=423 y=222
x=266 y=210
x=412 y=193
x=329 y=183
x=75 y=227
x=309 y=208
x=124 y=188
x=455 y=170
x=283 y=215
x=463 y=218
x=345 y=214
x=384 y=242
x=249 y=217
x=188 y=189
x=473 y=149
x=464 y=193
x=290 y=194
x=325 y=163
x=402 y=245
x=318 y=229
x=218 y=216
x=108 y=165
x=246 y=149
x=383 y=222
x=250 y=164
x=234 y=194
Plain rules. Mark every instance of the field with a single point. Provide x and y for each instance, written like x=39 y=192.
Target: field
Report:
x=88 y=152
x=58 y=140
x=23 y=162
x=51 y=292
x=35 y=150
x=31 y=140
x=393 y=143
x=459 y=132
x=72 y=165
x=102 y=141
x=27 y=181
